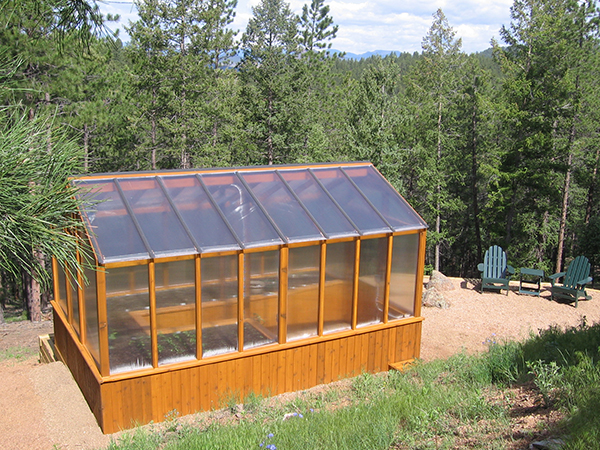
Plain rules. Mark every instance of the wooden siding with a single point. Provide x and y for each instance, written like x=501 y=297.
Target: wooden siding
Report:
x=120 y=403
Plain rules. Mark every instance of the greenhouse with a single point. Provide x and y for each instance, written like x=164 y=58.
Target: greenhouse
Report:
x=221 y=283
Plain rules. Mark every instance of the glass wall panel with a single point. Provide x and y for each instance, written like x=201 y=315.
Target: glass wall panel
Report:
x=204 y=222
x=385 y=198
x=339 y=278
x=261 y=299
x=320 y=205
x=241 y=211
x=282 y=206
x=72 y=287
x=62 y=289
x=351 y=201
x=303 y=292
x=219 y=305
x=128 y=317
x=175 y=311
x=403 y=280
x=109 y=218
x=371 y=281
x=91 y=315
x=160 y=225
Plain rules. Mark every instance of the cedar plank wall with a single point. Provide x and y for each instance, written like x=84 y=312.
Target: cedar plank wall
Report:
x=123 y=403
x=72 y=356
x=209 y=386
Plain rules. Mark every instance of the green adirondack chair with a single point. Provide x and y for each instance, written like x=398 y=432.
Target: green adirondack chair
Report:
x=574 y=281
x=495 y=273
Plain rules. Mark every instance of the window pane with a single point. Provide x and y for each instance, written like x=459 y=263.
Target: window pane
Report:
x=91 y=315
x=72 y=286
x=351 y=201
x=109 y=219
x=161 y=226
x=219 y=305
x=261 y=304
x=241 y=211
x=62 y=289
x=385 y=198
x=323 y=209
x=282 y=207
x=201 y=218
x=404 y=276
x=128 y=314
x=175 y=311
x=371 y=281
x=303 y=292
x=339 y=277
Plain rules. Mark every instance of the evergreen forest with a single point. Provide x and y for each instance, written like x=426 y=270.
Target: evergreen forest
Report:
x=494 y=148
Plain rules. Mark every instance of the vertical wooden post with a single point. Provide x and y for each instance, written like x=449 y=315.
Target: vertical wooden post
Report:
x=355 y=284
x=152 y=295
x=321 y=315
x=388 y=276
x=102 y=321
x=283 y=291
x=420 y=272
x=55 y=284
x=198 y=283
x=241 y=300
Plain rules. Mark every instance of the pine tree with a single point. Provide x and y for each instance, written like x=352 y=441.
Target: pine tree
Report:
x=550 y=43
x=272 y=81
x=433 y=85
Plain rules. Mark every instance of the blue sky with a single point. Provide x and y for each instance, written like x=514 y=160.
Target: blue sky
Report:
x=367 y=25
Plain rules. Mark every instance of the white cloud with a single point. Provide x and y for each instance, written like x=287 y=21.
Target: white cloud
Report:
x=367 y=25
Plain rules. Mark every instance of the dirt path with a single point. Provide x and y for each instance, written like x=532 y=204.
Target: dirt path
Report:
x=42 y=408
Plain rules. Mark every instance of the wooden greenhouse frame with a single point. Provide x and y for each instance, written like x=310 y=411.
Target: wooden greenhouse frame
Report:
x=217 y=284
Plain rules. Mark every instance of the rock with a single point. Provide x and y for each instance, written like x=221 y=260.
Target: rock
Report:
x=434 y=298
x=550 y=444
x=440 y=281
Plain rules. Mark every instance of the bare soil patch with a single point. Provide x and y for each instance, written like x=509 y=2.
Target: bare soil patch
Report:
x=42 y=407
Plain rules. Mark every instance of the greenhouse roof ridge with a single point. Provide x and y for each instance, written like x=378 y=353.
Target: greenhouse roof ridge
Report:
x=148 y=215
x=194 y=170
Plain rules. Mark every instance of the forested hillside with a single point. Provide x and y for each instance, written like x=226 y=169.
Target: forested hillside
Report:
x=490 y=149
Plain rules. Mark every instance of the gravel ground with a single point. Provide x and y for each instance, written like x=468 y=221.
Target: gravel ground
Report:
x=42 y=407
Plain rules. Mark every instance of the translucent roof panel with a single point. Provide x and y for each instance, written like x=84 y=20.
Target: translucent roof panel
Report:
x=135 y=216
x=333 y=222
x=350 y=199
x=282 y=207
x=113 y=232
x=240 y=210
x=160 y=225
x=384 y=197
x=202 y=218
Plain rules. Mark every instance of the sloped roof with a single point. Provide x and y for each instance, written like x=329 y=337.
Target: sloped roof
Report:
x=161 y=214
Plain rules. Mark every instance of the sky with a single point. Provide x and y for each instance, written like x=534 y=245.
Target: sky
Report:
x=369 y=25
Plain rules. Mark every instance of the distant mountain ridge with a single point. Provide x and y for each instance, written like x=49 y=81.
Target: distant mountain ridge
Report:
x=382 y=53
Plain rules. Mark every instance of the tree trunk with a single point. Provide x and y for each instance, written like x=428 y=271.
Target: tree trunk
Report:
x=438 y=219
x=563 y=216
x=591 y=191
x=153 y=129
x=86 y=144
x=270 y=150
x=474 y=193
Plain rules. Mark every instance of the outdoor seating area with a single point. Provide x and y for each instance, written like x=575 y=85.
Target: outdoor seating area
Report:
x=230 y=282
x=570 y=285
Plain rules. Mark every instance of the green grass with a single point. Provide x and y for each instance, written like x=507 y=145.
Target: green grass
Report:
x=16 y=353
x=463 y=401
